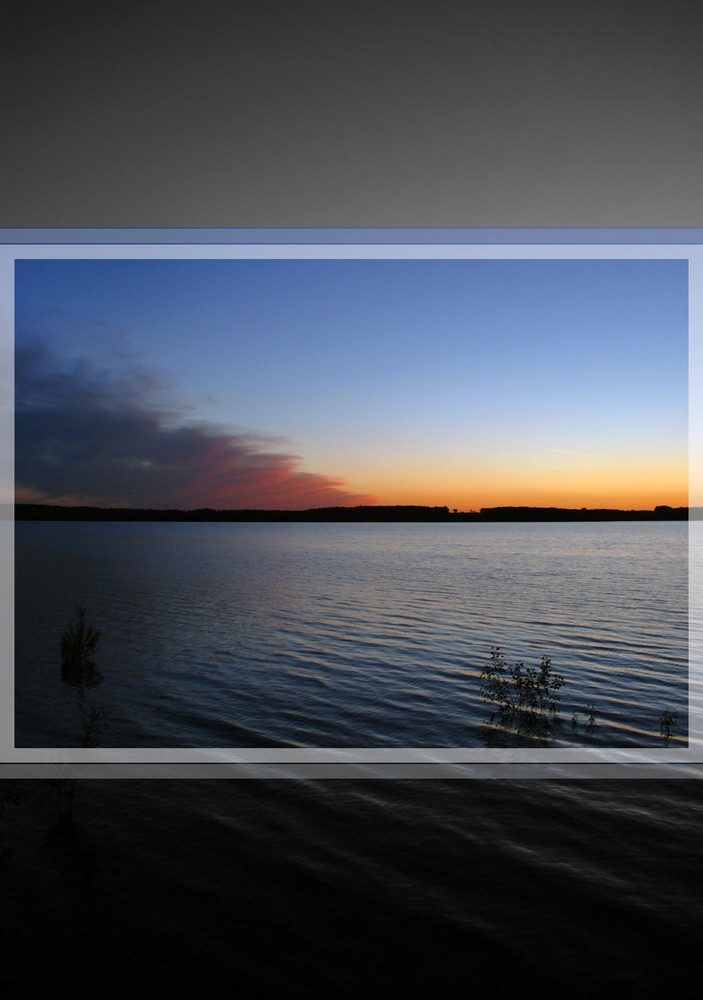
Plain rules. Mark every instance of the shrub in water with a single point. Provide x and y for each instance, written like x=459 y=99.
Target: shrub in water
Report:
x=79 y=641
x=78 y=645
x=518 y=690
x=666 y=723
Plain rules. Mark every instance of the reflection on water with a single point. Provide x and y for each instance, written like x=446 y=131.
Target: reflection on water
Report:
x=350 y=635
x=356 y=888
x=75 y=861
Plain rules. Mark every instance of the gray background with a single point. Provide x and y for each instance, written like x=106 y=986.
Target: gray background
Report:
x=351 y=113
x=348 y=113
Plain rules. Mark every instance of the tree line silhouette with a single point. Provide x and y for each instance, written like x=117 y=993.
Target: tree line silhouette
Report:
x=397 y=512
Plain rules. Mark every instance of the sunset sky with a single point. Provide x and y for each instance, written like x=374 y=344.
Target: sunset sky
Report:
x=307 y=383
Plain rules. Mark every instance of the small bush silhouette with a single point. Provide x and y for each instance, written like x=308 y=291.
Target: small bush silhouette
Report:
x=79 y=642
x=517 y=689
x=526 y=701
x=78 y=645
x=666 y=723
x=526 y=698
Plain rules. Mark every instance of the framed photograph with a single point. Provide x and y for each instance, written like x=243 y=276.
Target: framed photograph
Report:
x=375 y=502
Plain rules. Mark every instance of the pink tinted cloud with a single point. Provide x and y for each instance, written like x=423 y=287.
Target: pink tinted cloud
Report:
x=232 y=473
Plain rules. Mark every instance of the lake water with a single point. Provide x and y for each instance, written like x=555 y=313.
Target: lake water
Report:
x=348 y=889
x=350 y=635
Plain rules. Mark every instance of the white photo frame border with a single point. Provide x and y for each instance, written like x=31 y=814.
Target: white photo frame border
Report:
x=366 y=762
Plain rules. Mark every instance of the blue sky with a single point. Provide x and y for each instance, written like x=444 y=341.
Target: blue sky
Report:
x=461 y=382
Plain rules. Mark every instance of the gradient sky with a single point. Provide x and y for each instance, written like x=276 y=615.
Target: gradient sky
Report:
x=291 y=384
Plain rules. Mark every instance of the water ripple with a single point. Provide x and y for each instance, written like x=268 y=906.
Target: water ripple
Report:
x=351 y=635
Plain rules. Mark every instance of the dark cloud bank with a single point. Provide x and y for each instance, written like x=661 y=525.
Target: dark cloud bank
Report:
x=86 y=435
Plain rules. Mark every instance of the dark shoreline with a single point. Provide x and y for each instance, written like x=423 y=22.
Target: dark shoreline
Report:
x=399 y=513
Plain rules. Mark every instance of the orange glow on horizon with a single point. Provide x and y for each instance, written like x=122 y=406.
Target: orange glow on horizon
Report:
x=555 y=479
x=534 y=498
x=629 y=486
